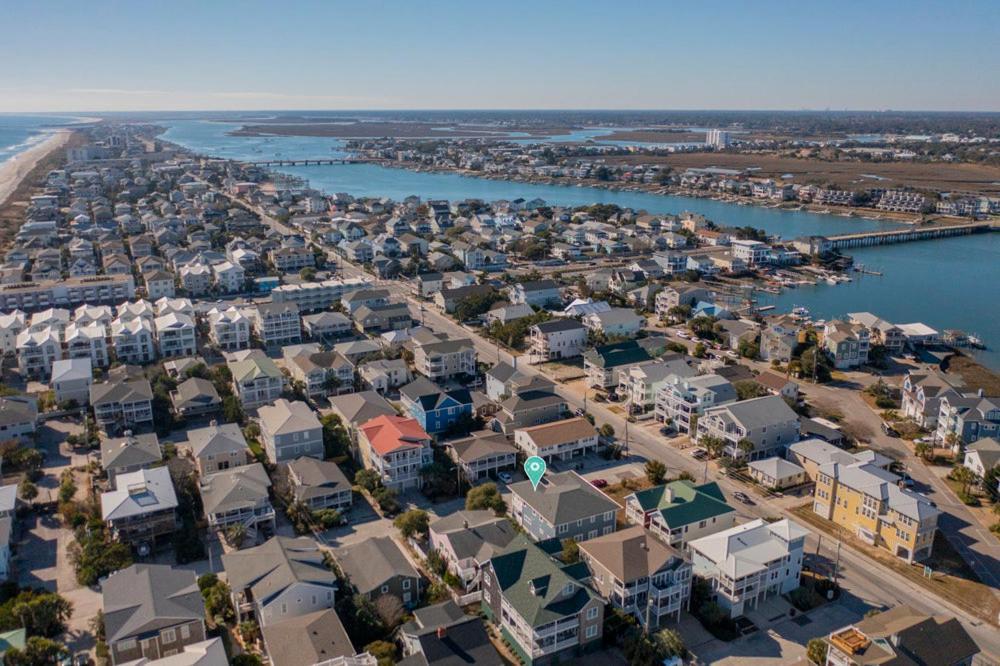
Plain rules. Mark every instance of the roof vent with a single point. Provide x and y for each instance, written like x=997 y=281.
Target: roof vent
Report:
x=441 y=631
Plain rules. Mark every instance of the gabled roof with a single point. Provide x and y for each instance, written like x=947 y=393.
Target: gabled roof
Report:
x=682 y=503
x=235 y=488
x=632 y=553
x=147 y=597
x=616 y=355
x=139 y=493
x=285 y=417
x=272 y=567
x=317 y=478
x=111 y=392
x=131 y=451
x=748 y=548
x=216 y=440
x=564 y=497
x=308 y=639
x=390 y=433
x=360 y=407
x=431 y=396
x=371 y=563
x=481 y=444
x=195 y=391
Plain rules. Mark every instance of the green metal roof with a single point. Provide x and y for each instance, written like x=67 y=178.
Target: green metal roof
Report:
x=689 y=503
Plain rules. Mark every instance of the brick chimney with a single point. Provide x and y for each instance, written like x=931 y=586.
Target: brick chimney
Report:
x=441 y=631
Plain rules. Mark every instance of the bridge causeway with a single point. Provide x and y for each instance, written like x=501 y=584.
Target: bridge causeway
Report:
x=870 y=238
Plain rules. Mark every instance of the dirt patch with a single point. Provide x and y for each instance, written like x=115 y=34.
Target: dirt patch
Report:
x=973 y=375
x=952 y=578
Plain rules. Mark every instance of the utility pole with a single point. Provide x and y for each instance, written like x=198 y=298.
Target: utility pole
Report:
x=836 y=564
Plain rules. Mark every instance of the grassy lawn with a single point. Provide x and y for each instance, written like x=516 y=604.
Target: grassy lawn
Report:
x=952 y=578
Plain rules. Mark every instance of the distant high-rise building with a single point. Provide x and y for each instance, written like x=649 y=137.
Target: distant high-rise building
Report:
x=717 y=138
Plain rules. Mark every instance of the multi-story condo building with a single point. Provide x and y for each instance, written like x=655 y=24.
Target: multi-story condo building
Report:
x=397 y=448
x=33 y=296
x=683 y=398
x=313 y=296
x=544 y=613
x=901 y=201
x=750 y=563
x=640 y=384
x=176 y=335
x=151 y=611
x=867 y=501
x=133 y=340
x=767 y=423
x=229 y=329
x=556 y=339
x=83 y=341
x=229 y=278
x=680 y=511
x=560 y=440
x=256 y=378
x=37 y=351
x=445 y=359
x=639 y=574
x=565 y=505
x=277 y=323
x=289 y=430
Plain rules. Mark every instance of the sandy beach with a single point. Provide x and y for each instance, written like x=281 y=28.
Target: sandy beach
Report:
x=15 y=169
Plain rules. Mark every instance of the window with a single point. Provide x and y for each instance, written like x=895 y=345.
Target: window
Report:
x=406 y=583
x=185 y=632
x=592 y=613
x=284 y=608
x=564 y=528
x=385 y=589
x=127 y=644
x=168 y=636
x=591 y=631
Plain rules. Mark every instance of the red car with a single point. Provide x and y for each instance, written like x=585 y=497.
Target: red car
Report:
x=599 y=483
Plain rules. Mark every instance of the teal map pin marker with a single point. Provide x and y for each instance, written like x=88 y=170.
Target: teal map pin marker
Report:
x=534 y=467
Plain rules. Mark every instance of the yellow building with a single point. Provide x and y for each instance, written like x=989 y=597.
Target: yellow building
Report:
x=868 y=502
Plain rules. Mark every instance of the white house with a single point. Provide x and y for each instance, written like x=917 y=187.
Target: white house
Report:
x=229 y=328
x=71 y=379
x=176 y=335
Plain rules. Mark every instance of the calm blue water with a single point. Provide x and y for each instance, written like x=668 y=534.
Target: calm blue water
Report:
x=376 y=181
x=946 y=284
x=20 y=132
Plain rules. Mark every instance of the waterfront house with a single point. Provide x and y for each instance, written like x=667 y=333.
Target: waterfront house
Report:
x=436 y=410
x=779 y=339
x=218 y=447
x=289 y=430
x=560 y=440
x=680 y=511
x=239 y=496
x=867 y=501
x=565 y=505
x=883 y=333
x=767 y=423
x=967 y=417
x=981 y=456
x=641 y=575
x=319 y=484
x=544 y=613
x=397 y=448
x=377 y=566
x=747 y=564
x=847 y=344
x=280 y=579
x=151 y=611
x=142 y=509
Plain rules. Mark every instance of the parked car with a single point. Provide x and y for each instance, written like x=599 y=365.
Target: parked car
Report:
x=505 y=477
x=699 y=454
x=599 y=483
x=743 y=497
x=579 y=411
x=889 y=430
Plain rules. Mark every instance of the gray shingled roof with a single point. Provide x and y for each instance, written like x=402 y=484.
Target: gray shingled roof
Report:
x=564 y=497
x=148 y=597
x=369 y=564
x=270 y=568
x=131 y=451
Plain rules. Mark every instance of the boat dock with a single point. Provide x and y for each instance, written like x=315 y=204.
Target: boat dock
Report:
x=870 y=238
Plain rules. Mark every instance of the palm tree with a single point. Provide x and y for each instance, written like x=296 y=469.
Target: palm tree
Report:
x=923 y=450
x=963 y=475
x=745 y=446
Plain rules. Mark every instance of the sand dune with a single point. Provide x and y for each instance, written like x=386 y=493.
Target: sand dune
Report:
x=14 y=170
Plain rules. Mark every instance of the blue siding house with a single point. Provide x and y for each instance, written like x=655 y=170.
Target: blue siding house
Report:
x=435 y=409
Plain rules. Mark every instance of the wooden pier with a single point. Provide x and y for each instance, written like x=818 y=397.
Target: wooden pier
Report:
x=870 y=238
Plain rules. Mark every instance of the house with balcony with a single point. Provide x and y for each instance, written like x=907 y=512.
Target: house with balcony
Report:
x=503 y=381
x=641 y=575
x=229 y=329
x=377 y=567
x=325 y=325
x=540 y=293
x=176 y=335
x=292 y=259
x=87 y=342
x=289 y=430
x=256 y=379
x=867 y=501
x=467 y=540
x=559 y=440
x=217 y=448
x=557 y=339
x=639 y=384
x=443 y=634
x=767 y=423
x=750 y=563
x=529 y=408
x=281 y=579
x=277 y=323
x=604 y=364
x=37 y=351
x=846 y=344
x=151 y=611
x=131 y=453
x=682 y=399
x=354 y=300
x=142 y=509
x=371 y=319
x=159 y=283
x=122 y=404
x=482 y=455
x=445 y=359
x=564 y=506
x=18 y=417
x=435 y=409
x=229 y=278
x=921 y=397
x=544 y=613
x=322 y=373
x=680 y=511
x=967 y=417
x=133 y=340
x=813 y=453
x=384 y=375
x=397 y=448
x=883 y=332
x=319 y=484
x=620 y=322
x=981 y=456
x=239 y=496
x=195 y=397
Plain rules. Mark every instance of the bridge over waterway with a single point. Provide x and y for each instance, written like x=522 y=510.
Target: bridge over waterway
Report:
x=870 y=238
x=300 y=162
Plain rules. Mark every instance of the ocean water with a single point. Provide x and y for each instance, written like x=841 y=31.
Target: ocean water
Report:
x=20 y=132
x=950 y=283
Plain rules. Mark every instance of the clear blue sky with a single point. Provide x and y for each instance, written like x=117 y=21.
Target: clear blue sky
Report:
x=213 y=54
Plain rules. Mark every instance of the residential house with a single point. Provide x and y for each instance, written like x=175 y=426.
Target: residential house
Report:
x=445 y=359
x=684 y=399
x=239 y=496
x=289 y=430
x=120 y=404
x=142 y=509
x=71 y=380
x=256 y=379
x=564 y=505
x=130 y=453
x=277 y=323
x=37 y=351
x=383 y=375
x=560 y=440
x=381 y=318
x=619 y=322
x=152 y=611
x=680 y=511
x=354 y=300
x=18 y=418
x=750 y=563
x=503 y=381
x=640 y=384
x=540 y=293
x=377 y=567
x=443 y=634
x=779 y=339
x=982 y=456
x=319 y=484
x=437 y=411
x=397 y=448
x=316 y=638
x=176 y=335
x=921 y=397
x=644 y=577
x=229 y=329
x=847 y=344
x=529 y=408
x=778 y=385
x=466 y=540
x=195 y=397
x=777 y=473
x=967 y=417
x=87 y=342
x=867 y=501
x=543 y=612
x=883 y=333
x=133 y=340
x=813 y=453
x=752 y=429
x=327 y=325
x=159 y=284
x=557 y=339
x=604 y=364
x=322 y=373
